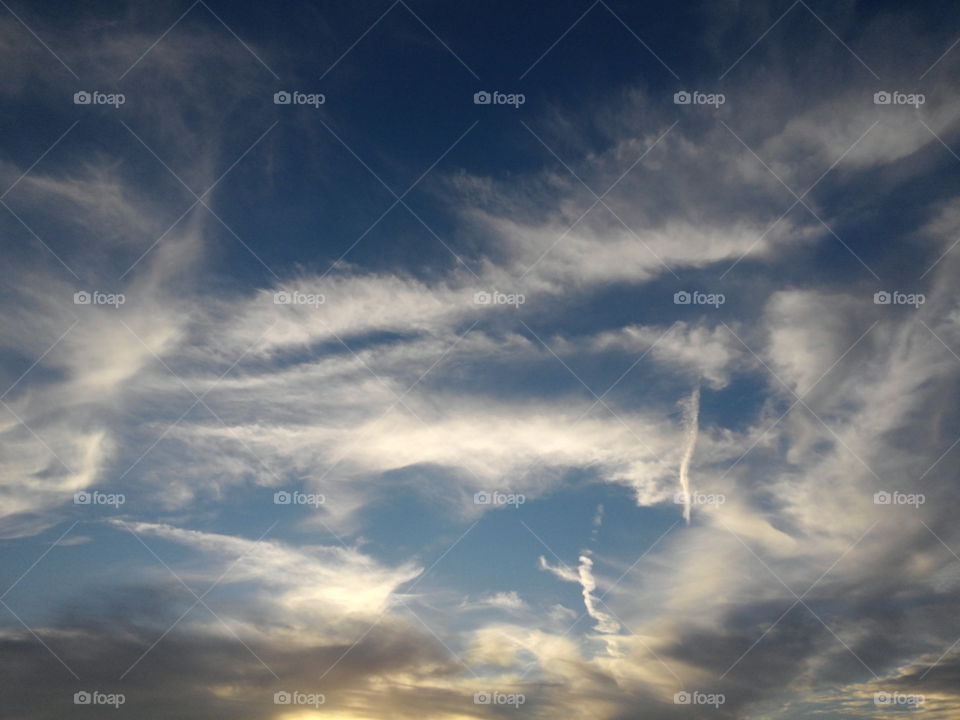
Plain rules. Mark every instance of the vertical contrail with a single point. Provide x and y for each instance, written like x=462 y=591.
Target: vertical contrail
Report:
x=691 y=417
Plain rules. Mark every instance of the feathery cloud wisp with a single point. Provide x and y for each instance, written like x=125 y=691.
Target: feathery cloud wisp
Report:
x=691 y=417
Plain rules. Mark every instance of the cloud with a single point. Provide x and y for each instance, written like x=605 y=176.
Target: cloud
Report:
x=814 y=398
x=605 y=623
x=509 y=601
x=193 y=676
x=303 y=586
x=691 y=419
x=711 y=353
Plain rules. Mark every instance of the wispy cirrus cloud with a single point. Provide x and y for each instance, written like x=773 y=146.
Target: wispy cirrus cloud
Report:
x=391 y=381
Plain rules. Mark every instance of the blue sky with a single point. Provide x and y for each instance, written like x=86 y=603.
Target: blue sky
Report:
x=388 y=402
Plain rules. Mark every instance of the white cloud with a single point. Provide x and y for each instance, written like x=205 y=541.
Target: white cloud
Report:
x=605 y=623
x=305 y=588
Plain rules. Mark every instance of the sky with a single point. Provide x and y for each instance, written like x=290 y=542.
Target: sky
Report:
x=479 y=360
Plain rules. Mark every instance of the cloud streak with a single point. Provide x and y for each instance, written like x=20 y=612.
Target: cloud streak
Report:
x=401 y=398
x=691 y=421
